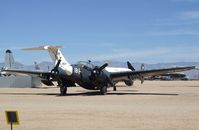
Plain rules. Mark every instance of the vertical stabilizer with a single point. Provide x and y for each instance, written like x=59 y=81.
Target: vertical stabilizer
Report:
x=55 y=55
x=54 y=52
x=9 y=59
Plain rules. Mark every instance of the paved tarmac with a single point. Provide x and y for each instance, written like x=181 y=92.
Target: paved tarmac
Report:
x=155 y=105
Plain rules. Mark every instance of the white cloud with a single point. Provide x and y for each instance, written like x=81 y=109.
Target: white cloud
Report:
x=181 y=53
x=179 y=32
x=100 y=44
x=175 y=21
x=189 y=15
x=156 y=55
x=174 y=33
x=124 y=54
x=186 y=0
x=11 y=48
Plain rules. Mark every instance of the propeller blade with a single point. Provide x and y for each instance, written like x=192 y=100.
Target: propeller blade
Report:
x=55 y=70
x=57 y=65
x=103 y=67
x=130 y=66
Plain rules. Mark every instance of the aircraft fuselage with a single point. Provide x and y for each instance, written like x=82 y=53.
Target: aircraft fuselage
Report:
x=85 y=77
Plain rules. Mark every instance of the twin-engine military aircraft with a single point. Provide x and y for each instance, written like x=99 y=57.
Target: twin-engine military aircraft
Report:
x=87 y=75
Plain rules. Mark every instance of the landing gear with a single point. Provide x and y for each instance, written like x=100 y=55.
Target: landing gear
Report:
x=114 y=88
x=103 y=90
x=63 y=90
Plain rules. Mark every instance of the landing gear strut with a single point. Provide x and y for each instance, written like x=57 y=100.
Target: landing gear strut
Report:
x=103 y=90
x=114 y=88
x=63 y=90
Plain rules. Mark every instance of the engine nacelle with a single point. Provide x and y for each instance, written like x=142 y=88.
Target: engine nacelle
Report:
x=47 y=82
x=129 y=82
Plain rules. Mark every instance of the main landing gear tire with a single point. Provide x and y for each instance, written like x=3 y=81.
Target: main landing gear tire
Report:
x=103 y=90
x=63 y=91
x=114 y=88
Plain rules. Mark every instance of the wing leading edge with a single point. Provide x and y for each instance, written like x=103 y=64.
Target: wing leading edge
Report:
x=27 y=72
x=147 y=73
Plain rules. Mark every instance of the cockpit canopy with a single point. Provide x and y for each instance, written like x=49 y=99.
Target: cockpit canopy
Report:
x=86 y=64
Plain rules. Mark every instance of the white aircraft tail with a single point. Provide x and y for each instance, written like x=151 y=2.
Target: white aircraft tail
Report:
x=9 y=60
x=56 y=55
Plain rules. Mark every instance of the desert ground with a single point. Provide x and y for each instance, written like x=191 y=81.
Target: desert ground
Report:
x=155 y=105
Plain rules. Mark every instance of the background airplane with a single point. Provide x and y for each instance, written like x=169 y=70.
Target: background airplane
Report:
x=87 y=75
x=9 y=62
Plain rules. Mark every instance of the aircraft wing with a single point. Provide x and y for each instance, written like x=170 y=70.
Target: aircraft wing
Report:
x=27 y=72
x=147 y=73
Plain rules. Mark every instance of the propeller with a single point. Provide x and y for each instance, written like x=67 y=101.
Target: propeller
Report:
x=54 y=74
x=103 y=67
x=97 y=71
x=55 y=70
x=130 y=66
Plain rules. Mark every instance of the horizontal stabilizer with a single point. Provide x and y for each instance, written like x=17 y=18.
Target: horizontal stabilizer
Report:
x=55 y=55
x=42 y=48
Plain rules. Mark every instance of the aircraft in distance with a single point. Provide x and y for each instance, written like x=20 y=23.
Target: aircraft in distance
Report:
x=8 y=63
x=87 y=75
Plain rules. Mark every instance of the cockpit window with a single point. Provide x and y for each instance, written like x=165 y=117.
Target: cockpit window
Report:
x=86 y=64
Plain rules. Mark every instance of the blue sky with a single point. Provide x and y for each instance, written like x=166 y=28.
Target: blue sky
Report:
x=149 y=31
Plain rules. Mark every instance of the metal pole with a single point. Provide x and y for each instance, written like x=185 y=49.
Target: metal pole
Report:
x=11 y=125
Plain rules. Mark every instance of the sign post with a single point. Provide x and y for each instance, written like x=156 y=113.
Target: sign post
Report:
x=12 y=118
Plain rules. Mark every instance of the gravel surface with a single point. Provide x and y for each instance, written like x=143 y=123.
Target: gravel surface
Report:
x=155 y=105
